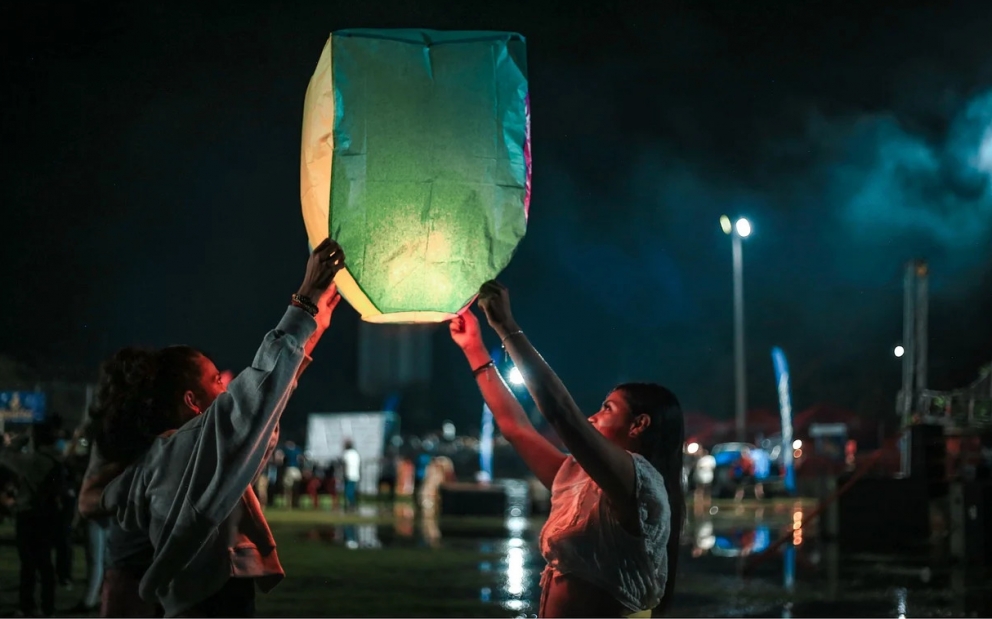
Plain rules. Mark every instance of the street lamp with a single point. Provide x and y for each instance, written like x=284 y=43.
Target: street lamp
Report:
x=899 y=351
x=740 y=230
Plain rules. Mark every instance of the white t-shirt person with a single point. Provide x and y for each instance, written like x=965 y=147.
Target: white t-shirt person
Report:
x=352 y=464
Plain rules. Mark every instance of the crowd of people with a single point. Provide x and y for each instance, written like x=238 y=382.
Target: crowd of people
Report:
x=181 y=461
x=291 y=473
x=291 y=478
x=41 y=471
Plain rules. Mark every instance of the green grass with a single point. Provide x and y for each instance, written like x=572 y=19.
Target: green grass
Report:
x=415 y=575
x=324 y=578
x=406 y=577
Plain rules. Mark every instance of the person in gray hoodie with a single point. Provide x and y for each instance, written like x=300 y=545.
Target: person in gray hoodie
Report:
x=190 y=492
x=133 y=405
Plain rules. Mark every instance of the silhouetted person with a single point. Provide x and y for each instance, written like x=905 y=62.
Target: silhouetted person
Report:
x=76 y=459
x=388 y=473
x=421 y=460
x=41 y=483
x=746 y=473
x=67 y=506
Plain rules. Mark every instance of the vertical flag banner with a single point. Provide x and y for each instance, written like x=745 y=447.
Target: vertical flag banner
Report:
x=785 y=406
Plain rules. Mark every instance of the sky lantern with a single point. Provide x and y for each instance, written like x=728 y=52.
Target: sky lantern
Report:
x=416 y=158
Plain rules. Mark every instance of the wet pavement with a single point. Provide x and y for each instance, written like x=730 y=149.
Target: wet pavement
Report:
x=722 y=571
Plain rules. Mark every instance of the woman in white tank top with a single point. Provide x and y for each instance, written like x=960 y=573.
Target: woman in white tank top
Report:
x=617 y=502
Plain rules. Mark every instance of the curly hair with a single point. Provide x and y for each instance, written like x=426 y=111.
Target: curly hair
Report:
x=137 y=398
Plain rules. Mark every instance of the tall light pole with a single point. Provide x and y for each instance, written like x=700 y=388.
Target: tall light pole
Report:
x=741 y=229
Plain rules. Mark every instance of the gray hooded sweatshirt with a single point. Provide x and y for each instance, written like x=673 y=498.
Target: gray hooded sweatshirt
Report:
x=191 y=492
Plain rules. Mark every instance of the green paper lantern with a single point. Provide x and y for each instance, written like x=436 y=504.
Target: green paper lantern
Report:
x=416 y=158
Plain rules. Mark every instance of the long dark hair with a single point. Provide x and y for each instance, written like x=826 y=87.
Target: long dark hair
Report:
x=662 y=445
x=137 y=398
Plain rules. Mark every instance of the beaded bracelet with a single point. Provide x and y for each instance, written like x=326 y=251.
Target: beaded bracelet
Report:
x=304 y=304
x=305 y=301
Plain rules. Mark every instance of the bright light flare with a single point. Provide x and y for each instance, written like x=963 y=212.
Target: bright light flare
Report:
x=515 y=377
x=899 y=351
x=692 y=448
x=797 y=444
x=743 y=228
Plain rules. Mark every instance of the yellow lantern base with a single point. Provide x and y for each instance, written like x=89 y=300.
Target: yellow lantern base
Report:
x=409 y=317
x=350 y=290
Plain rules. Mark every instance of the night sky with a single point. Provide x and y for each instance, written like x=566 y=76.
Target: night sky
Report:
x=150 y=189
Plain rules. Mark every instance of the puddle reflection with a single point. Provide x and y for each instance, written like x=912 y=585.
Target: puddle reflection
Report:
x=513 y=563
x=735 y=533
x=514 y=567
x=802 y=577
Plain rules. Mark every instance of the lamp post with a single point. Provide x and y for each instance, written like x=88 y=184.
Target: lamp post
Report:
x=741 y=229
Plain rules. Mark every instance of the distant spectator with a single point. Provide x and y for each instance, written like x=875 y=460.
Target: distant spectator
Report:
x=331 y=482
x=63 y=540
x=352 y=474
x=419 y=471
x=42 y=479
x=388 y=473
x=77 y=459
x=745 y=472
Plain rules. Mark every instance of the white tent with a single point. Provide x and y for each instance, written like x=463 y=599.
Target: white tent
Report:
x=369 y=431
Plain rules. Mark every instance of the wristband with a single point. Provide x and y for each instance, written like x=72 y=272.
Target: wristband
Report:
x=482 y=368
x=305 y=304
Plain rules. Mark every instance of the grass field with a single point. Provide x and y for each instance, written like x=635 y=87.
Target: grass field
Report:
x=390 y=568
x=386 y=563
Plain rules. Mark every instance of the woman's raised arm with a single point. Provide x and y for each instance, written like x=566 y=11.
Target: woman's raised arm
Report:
x=608 y=465
x=541 y=457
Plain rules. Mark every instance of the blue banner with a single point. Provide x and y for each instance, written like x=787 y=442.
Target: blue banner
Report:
x=486 y=444
x=22 y=406
x=785 y=406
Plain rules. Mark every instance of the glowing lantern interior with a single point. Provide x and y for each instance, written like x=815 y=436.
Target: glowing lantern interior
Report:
x=416 y=158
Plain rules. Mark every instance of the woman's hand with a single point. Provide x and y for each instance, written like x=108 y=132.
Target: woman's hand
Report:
x=325 y=307
x=319 y=287
x=324 y=263
x=465 y=330
x=494 y=299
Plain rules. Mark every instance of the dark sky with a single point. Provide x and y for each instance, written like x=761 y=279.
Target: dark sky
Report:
x=150 y=188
